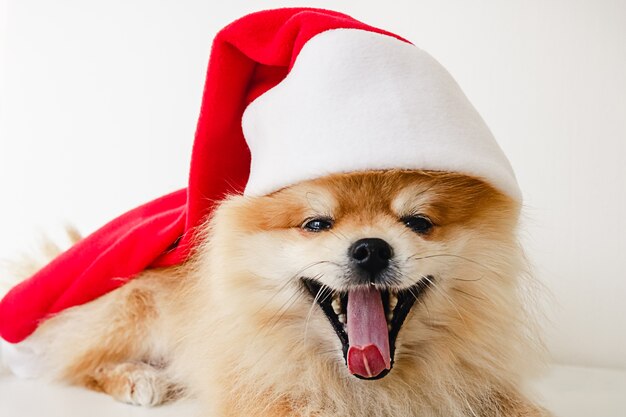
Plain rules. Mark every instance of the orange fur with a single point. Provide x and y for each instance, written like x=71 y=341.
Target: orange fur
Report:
x=236 y=329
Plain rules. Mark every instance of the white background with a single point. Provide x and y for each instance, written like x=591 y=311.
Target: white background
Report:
x=98 y=103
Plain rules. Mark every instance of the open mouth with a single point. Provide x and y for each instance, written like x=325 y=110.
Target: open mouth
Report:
x=367 y=321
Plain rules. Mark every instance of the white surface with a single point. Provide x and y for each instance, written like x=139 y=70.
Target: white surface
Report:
x=583 y=392
x=356 y=101
x=100 y=99
x=567 y=391
x=27 y=398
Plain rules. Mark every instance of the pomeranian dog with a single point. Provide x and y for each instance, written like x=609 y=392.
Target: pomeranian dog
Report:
x=376 y=293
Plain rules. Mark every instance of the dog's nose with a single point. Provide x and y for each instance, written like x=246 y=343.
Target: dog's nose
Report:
x=371 y=255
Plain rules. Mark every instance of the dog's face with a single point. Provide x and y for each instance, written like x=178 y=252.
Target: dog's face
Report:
x=366 y=269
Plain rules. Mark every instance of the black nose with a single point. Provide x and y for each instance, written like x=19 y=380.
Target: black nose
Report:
x=371 y=255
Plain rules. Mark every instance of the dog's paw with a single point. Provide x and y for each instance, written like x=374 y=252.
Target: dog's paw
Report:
x=134 y=383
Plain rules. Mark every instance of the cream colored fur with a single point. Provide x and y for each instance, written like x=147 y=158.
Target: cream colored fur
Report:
x=234 y=328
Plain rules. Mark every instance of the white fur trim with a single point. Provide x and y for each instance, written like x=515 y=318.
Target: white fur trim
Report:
x=356 y=101
x=23 y=359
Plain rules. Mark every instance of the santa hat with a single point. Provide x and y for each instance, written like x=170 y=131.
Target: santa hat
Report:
x=290 y=95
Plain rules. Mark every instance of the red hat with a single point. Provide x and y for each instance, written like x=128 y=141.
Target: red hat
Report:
x=279 y=83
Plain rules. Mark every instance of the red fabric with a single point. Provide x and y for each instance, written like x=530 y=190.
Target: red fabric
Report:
x=249 y=56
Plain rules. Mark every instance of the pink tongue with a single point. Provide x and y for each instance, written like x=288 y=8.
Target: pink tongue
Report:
x=368 y=354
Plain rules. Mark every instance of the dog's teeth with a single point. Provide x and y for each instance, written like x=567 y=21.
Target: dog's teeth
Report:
x=342 y=318
x=389 y=316
x=393 y=301
x=336 y=305
x=389 y=327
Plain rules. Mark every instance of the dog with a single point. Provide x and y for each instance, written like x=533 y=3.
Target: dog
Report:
x=374 y=293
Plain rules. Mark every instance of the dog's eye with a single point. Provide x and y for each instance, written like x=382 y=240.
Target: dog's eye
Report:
x=419 y=224
x=317 y=225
